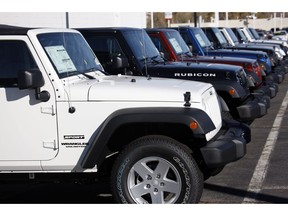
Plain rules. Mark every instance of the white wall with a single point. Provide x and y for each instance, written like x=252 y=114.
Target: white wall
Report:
x=33 y=19
x=75 y=19
x=108 y=19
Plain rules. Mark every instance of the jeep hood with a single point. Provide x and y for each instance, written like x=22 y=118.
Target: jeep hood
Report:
x=220 y=59
x=128 y=88
x=181 y=67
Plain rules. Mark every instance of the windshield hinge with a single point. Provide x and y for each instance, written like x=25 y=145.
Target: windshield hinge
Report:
x=48 y=110
x=187 y=98
x=50 y=145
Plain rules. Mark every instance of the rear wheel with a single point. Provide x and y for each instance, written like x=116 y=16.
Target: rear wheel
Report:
x=156 y=169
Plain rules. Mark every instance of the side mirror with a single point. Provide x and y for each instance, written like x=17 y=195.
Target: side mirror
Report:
x=251 y=81
x=30 y=79
x=190 y=48
x=33 y=79
x=120 y=62
x=212 y=44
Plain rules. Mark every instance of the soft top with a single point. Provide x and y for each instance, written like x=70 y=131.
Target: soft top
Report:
x=13 y=30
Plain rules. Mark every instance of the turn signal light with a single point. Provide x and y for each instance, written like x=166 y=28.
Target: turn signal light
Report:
x=232 y=91
x=193 y=125
x=249 y=68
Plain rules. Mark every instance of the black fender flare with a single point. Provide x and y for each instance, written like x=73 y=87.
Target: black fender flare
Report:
x=223 y=104
x=96 y=151
x=240 y=92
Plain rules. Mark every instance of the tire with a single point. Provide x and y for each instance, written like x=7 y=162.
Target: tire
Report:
x=156 y=169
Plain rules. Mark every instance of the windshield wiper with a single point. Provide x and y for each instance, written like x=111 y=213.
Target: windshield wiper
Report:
x=154 y=59
x=188 y=54
x=87 y=75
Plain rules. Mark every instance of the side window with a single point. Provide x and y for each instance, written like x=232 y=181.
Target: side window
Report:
x=14 y=57
x=105 y=48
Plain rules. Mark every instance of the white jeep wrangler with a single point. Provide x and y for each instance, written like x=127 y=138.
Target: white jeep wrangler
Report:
x=60 y=113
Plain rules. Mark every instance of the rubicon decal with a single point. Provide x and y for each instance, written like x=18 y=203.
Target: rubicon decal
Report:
x=194 y=74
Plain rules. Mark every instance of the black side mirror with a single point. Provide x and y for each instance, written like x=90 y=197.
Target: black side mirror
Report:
x=120 y=62
x=212 y=44
x=30 y=79
x=33 y=79
x=190 y=48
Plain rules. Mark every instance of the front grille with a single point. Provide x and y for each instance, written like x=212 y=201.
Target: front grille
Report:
x=242 y=78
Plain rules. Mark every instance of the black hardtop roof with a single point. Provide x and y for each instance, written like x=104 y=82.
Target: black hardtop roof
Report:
x=160 y=29
x=13 y=30
x=106 y=29
x=209 y=27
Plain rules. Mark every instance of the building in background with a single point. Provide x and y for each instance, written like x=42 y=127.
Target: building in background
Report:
x=275 y=20
x=74 y=19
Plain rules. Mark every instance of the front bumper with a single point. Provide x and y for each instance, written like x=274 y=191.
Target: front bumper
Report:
x=254 y=107
x=268 y=88
x=229 y=146
x=276 y=77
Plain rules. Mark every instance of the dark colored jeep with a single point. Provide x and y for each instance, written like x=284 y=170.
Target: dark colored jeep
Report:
x=131 y=51
x=170 y=44
x=202 y=46
x=219 y=42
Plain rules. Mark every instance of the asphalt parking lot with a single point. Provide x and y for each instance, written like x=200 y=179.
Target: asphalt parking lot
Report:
x=260 y=177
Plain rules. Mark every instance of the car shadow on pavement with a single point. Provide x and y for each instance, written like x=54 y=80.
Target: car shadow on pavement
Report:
x=258 y=197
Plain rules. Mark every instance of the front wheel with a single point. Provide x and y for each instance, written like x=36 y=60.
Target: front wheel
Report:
x=156 y=169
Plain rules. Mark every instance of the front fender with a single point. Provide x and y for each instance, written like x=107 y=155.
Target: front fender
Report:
x=239 y=91
x=98 y=142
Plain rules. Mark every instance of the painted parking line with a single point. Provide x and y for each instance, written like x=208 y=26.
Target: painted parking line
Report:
x=262 y=166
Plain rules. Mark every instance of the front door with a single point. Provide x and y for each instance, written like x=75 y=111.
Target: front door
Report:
x=28 y=130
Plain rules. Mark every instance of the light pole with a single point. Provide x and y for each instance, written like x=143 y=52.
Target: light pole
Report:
x=67 y=19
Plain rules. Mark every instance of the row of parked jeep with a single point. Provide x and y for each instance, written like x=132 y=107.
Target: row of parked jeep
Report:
x=245 y=76
x=101 y=106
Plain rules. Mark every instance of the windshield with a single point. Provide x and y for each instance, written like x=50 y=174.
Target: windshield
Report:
x=201 y=38
x=69 y=53
x=244 y=38
x=219 y=36
x=255 y=33
x=141 y=44
x=232 y=35
x=249 y=33
x=177 y=42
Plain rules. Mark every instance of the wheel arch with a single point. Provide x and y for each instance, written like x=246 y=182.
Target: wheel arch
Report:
x=123 y=126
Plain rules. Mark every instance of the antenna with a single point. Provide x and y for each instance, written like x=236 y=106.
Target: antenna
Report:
x=71 y=109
